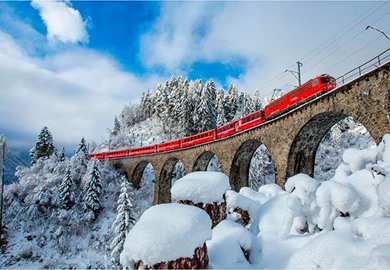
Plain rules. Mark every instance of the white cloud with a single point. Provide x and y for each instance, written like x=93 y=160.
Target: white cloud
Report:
x=64 y=23
x=269 y=36
x=74 y=93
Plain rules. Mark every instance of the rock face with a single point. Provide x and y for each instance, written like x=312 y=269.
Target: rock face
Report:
x=292 y=139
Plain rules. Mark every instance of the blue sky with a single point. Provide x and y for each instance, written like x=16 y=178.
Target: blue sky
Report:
x=73 y=65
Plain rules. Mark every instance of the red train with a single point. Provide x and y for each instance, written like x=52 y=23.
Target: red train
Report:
x=307 y=91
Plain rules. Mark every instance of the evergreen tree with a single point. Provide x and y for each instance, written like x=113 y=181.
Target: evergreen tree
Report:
x=44 y=146
x=248 y=105
x=220 y=108
x=123 y=221
x=147 y=104
x=82 y=147
x=117 y=127
x=206 y=108
x=257 y=101
x=231 y=103
x=62 y=155
x=91 y=191
x=194 y=95
x=161 y=101
x=185 y=115
x=66 y=190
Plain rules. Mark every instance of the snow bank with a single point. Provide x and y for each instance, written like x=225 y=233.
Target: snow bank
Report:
x=365 y=245
x=226 y=247
x=166 y=232
x=201 y=187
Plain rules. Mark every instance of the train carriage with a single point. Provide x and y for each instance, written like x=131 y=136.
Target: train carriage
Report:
x=116 y=154
x=251 y=120
x=199 y=138
x=308 y=90
x=172 y=145
x=227 y=130
x=142 y=150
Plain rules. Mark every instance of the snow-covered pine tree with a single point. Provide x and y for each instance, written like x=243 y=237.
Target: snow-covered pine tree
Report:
x=221 y=119
x=240 y=106
x=147 y=104
x=161 y=101
x=231 y=103
x=66 y=190
x=62 y=155
x=248 y=105
x=212 y=93
x=79 y=162
x=194 y=94
x=92 y=190
x=44 y=146
x=82 y=147
x=117 y=126
x=123 y=221
x=206 y=108
x=185 y=115
x=257 y=101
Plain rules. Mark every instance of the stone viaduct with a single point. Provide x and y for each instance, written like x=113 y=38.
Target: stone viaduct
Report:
x=292 y=139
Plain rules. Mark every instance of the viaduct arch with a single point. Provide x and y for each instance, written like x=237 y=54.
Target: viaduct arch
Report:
x=292 y=139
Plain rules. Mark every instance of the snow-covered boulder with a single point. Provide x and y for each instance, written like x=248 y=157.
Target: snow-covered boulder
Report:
x=166 y=233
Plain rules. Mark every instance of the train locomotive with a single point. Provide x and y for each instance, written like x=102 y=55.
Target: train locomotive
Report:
x=311 y=89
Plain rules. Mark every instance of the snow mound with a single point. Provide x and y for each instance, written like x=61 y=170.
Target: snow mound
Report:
x=164 y=233
x=201 y=187
x=227 y=245
x=235 y=200
x=367 y=243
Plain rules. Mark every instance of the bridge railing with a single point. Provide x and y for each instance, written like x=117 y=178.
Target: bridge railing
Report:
x=366 y=67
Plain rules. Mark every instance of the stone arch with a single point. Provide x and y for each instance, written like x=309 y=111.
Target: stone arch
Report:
x=121 y=169
x=303 y=150
x=138 y=173
x=163 y=191
x=262 y=169
x=203 y=161
x=239 y=170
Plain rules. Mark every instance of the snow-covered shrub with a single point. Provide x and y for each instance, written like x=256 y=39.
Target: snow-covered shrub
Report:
x=300 y=204
x=334 y=199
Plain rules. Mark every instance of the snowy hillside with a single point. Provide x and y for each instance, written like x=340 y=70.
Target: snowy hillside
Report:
x=13 y=159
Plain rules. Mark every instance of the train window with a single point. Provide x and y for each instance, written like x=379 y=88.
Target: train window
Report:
x=300 y=90
x=325 y=80
x=293 y=94
x=314 y=82
x=307 y=86
x=282 y=100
